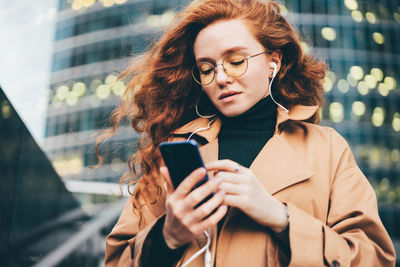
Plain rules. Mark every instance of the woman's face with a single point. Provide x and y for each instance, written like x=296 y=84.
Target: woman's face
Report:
x=233 y=96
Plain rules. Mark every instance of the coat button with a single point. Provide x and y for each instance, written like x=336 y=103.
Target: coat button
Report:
x=335 y=263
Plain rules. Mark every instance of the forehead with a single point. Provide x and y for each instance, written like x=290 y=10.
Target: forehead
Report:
x=220 y=36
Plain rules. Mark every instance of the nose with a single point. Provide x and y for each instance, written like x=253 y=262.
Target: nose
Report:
x=221 y=77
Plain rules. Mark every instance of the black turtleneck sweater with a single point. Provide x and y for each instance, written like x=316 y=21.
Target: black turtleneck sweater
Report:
x=242 y=137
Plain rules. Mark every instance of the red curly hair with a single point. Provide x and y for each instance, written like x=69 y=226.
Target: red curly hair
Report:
x=161 y=93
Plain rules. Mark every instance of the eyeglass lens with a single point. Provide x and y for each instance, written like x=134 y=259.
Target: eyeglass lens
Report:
x=234 y=65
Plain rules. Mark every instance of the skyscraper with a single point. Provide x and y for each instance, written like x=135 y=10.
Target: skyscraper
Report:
x=94 y=41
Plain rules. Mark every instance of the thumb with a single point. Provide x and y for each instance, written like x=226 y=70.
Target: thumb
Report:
x=165 y=173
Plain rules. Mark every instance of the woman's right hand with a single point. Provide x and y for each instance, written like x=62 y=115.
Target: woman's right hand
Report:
x=183 y=221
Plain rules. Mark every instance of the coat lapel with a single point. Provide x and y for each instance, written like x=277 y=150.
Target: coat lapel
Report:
x=278 y=166
x=209 y=151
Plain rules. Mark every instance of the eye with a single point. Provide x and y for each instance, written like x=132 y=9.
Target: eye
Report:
x=235 y=60
x=205 y=69
x=207 y=72
x=237 y=63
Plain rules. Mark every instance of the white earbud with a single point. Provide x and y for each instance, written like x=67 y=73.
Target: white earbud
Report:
x=273 y=65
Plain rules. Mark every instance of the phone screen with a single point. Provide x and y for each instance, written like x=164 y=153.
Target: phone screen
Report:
x=181 y=158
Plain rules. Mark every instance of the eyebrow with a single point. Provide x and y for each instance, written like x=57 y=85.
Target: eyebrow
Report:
x=226 y=52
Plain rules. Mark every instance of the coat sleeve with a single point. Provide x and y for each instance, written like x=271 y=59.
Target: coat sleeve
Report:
x=353 y=234
x=126 y=243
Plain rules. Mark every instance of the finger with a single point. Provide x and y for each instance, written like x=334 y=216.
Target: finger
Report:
x=231 y=188
x=236 y=201
x=165 y=173
x=190 y=181
x=208 y=207
x=231 y=177
x=224 y=165
x=200 y=193
x=212 y=220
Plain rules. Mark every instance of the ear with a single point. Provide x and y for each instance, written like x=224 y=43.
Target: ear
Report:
x=276 y=57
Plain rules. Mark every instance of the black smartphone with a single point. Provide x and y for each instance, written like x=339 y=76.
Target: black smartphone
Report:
x=182 y=158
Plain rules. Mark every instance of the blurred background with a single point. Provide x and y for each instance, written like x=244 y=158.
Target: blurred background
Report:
x=59 y=63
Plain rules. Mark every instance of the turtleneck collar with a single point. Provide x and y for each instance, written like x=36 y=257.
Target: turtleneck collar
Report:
x=260 y=117
x=242 y=137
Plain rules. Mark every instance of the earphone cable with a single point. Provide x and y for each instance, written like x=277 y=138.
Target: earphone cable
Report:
x=204 y=116
x=207 y=256
x=201 y=129
x=270 y=92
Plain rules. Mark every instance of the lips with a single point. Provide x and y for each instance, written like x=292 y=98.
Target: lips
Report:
x=228 y=94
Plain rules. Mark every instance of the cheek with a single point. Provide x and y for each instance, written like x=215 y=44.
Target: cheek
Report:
x=257 y=80
x=258 y=71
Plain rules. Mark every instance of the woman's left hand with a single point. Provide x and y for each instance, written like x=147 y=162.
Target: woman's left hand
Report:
x=245 y=192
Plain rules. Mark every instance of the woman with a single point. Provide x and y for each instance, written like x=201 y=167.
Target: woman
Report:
x=286 y=191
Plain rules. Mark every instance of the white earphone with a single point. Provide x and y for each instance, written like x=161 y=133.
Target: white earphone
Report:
x=275 y=66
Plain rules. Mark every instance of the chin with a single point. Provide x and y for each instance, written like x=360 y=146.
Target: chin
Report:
x=230 y=113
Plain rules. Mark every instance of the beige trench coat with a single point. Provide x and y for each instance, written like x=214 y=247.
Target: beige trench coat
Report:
x=333 y=210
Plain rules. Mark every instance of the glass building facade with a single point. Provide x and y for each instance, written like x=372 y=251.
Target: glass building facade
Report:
x=94 y=41
x=36 y=208
x=358 y=39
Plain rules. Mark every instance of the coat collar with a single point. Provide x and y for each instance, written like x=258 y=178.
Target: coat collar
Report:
x=296 y=113
x=277 y=155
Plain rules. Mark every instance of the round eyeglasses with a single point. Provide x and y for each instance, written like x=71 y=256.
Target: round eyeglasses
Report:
x=234 y=65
